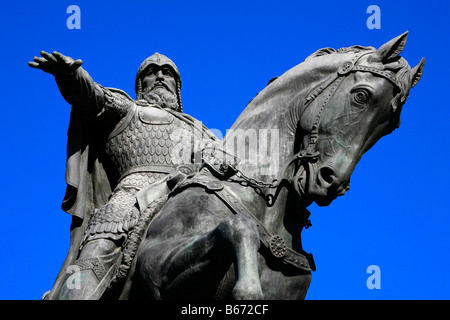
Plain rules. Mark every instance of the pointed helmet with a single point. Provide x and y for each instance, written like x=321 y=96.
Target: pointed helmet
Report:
x=158 y=60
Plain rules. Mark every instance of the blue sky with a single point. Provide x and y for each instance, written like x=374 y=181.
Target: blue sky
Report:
x=396 y=214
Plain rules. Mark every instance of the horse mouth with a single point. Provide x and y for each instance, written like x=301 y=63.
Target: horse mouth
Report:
x=301 y=182
x=308 y=190
x=323 y=190
x=326 y=196
x=324 y=201
x=302 y=187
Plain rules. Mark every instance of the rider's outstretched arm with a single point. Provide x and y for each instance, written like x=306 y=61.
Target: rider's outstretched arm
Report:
x=74 y=83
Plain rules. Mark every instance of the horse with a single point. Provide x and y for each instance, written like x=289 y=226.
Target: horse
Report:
x=233 y=230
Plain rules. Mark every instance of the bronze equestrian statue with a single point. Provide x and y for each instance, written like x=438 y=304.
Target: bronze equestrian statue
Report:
x=232 y=229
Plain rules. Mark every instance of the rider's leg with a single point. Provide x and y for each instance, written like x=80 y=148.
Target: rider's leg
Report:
x=93 y=263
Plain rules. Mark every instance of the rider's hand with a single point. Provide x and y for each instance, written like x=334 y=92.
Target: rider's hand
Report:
x=56 y=63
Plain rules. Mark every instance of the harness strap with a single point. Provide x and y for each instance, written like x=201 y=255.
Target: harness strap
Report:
x=275 y=243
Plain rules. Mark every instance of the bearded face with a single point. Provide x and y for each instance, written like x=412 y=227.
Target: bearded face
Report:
x=161 y=97
x=159 y=87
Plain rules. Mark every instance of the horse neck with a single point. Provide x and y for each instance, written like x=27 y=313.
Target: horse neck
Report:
x=263 y=136
x=270 y=122
x=272 y=118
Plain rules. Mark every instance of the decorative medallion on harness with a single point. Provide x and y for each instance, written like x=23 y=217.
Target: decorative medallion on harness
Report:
x=345 y=68
x=278 y=246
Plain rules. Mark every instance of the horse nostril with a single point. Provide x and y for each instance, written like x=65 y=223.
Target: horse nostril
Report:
x=327 y=176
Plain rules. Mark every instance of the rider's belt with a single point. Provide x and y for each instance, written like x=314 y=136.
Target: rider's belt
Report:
x=148 y=168
x=276 y=244
x=161 y=168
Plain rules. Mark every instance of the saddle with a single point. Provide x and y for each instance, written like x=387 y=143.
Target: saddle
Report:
x=213 y=183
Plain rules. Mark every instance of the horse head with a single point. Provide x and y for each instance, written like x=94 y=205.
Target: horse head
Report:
x=348 y=112
x=328 y=111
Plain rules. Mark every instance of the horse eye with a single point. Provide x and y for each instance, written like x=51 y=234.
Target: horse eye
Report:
x=361 y=96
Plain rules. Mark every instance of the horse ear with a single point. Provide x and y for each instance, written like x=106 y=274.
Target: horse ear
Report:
x=417 y=72
x=391 y=49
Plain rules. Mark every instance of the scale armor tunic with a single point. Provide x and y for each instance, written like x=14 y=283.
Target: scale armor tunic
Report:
x=146 y=146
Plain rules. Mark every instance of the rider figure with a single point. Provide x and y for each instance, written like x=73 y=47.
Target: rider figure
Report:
x=134 y=147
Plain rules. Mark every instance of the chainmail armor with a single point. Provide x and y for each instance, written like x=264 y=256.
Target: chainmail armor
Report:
x=142 y=143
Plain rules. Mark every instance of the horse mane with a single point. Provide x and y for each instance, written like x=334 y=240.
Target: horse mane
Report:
x=318 y=53
x=398 y=66
x=326 y=51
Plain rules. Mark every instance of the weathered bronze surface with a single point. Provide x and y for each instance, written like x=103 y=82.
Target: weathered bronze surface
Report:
x=163 y=210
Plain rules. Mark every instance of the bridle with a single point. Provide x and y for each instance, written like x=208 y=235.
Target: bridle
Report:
x=309 y=154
